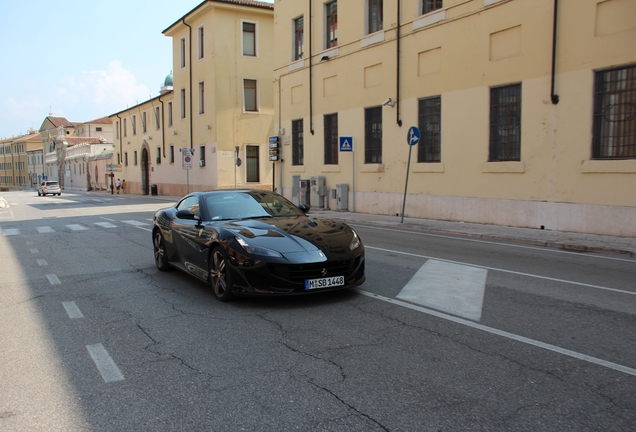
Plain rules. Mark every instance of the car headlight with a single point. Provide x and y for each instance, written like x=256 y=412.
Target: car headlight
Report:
x=355 y=241
x=257 y=250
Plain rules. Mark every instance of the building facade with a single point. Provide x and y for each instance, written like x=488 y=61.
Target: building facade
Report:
x=20 y=161
x=526 y=109
x=214 y=109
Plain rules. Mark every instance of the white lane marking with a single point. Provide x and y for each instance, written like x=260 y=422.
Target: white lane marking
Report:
x=506 y=271
x=76 y=227
x=45 y=229
x=72 y=310
x=53 y=279
x=451 y=288
x=105 y=224
x=513 y=245
x=134 y=223
x=105 y=364
x=34 y=251
x=42 y=262
x=522 y=339
x=10 y=232
x=108 y=219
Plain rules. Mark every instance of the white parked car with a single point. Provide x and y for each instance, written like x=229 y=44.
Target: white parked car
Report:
x=49 y=188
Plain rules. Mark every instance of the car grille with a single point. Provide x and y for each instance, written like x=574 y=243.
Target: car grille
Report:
x=300 y=272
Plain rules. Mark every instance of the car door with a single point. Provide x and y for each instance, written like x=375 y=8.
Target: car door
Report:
x=187 y=237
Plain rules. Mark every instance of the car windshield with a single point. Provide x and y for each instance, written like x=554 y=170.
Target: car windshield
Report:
x=248 y=205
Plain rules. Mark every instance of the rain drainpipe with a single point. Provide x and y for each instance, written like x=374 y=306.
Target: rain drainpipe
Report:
x=163 y=131
x=311 y=80
x=121 y=148
x=190 y=67
x=398 y=100
x=554 y=97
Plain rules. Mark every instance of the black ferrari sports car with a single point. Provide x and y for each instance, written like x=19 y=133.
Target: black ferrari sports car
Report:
x=255 y=242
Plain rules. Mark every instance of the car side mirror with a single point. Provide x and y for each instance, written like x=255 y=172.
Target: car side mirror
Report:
x=186 y=214
x=304 y=207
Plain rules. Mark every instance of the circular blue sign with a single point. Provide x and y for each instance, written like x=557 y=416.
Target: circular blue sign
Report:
x=413 y=136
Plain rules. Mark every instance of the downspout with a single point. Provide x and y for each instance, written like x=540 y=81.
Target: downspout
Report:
x=398 y=100
x=554 y=97
x=163 y=130
x=311 y=80
x=190 y=67
x=121 y=148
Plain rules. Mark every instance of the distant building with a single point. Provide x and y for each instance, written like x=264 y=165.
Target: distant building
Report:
x=216 y=107
x=527 y=111
x=20 y=161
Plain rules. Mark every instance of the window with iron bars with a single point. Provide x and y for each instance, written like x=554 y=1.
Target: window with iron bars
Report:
x=331 y=139
x=431 y=5
x=331 y=10
x=373 y=135
x=299 y=38
x=298 y=156
x=614 y=134
x=430 y=124
x=505 y=123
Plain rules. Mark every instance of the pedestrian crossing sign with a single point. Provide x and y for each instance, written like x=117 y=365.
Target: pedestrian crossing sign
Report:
x=346 y=144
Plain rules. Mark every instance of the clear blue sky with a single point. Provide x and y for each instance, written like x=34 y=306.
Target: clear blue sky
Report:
x=81 y=59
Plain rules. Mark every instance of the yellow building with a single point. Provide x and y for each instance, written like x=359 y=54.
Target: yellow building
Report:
x=216 y=106
x=20 y=161
x=526 y=109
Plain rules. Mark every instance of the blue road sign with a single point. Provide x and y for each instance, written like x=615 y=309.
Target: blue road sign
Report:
x=413 y=136
x=346 y=144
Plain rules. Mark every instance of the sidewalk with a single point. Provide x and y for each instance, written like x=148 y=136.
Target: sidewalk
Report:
x=556 y=239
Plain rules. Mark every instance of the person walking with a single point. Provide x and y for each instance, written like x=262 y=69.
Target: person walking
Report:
x=123 y=186
x=118 y=185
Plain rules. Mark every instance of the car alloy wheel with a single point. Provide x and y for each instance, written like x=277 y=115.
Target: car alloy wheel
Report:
x=159 y=245
x=220 y=278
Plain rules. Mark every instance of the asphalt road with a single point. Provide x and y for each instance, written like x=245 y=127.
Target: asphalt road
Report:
x=448 y=333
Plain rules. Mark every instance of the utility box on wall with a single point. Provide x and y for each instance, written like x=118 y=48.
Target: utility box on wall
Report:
x=317 y=191
x=305 y=192
x=342 y=197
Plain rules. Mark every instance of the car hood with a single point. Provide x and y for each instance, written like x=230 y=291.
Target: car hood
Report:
x=298 y=234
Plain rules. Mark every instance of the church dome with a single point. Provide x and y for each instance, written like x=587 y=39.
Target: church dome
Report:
x=168 y=81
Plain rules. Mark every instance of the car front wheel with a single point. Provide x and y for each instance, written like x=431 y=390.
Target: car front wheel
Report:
x=220 y=277
x=159 y=246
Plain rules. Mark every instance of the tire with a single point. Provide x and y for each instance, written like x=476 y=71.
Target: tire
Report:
x=159 y=247
x=220 y=276
x=60 y=194
x=39 y=194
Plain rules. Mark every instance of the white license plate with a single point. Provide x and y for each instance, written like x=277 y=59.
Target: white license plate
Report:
x=324 y=282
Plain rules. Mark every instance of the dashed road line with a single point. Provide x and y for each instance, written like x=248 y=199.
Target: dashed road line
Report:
x=53 y=279
x=107 y=367
x=72 y=310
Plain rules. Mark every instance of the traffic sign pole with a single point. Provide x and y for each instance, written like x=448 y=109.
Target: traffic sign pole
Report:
x=412 y=139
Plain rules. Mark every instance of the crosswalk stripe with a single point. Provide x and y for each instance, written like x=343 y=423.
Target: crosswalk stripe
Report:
x=76 y=227
x=105 y=224
x=447 y=287
x=134 y=223
x=10 y=232
x=45 y=229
